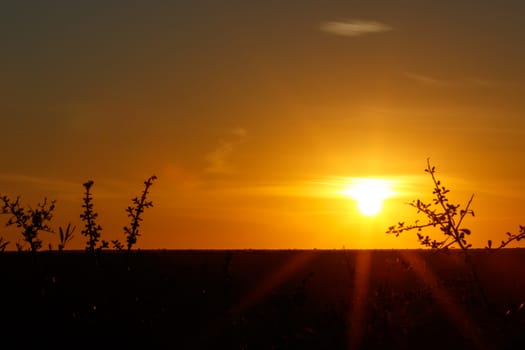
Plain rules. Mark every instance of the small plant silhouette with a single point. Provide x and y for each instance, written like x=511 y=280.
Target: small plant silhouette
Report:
x=449 y=218
x=30 y=220
x=440 y=213
x=135 y=212
x=91 y=228
x=65 y=236
x=117 y=245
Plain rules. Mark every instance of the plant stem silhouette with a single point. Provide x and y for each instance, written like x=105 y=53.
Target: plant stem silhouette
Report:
x=135 y=212
x=91 y=228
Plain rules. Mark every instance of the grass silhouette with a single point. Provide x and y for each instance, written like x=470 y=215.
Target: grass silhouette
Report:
x=65 y=236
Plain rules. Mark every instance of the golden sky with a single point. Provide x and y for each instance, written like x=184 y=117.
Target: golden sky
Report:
x=255 y=115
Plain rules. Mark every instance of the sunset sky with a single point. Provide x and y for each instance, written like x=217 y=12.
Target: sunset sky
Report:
x=257 y=115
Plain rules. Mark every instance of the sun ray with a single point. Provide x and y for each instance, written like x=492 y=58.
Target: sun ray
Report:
x=273 y=280
x=359 y=298
x=448 y=302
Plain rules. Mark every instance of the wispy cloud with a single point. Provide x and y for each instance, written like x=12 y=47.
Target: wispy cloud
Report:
x=326 y=187
x=430 y=81
x=474 y=82
x=354 y=28
x=219 y=159
x=400 y=185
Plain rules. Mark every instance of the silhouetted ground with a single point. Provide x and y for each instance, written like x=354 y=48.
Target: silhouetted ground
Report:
x=249 y=299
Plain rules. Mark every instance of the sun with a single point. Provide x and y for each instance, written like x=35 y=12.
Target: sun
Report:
x=369 y=194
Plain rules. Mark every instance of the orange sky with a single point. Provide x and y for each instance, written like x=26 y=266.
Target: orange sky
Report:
x=254 y=114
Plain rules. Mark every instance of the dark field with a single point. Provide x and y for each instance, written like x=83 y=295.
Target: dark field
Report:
x=315 y=299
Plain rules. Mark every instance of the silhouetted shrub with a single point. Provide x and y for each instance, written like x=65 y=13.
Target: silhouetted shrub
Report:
x=449 y=219
x=135 y=212
x=439 y=213
x=91 y=228
x=30 y=220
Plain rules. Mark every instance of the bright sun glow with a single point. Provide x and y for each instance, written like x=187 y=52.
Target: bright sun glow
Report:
x=369 y=194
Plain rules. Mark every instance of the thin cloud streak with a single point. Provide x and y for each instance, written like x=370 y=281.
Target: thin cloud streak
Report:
x=326 y=187
x=474 y=82
x=430 y=81
x=354 y=28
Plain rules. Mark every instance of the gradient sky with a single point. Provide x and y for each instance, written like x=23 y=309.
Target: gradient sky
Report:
x=254 y=114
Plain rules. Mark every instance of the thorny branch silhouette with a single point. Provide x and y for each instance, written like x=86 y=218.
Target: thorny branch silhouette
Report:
x=91 y=228
x=30 y=220
x=135 y=212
